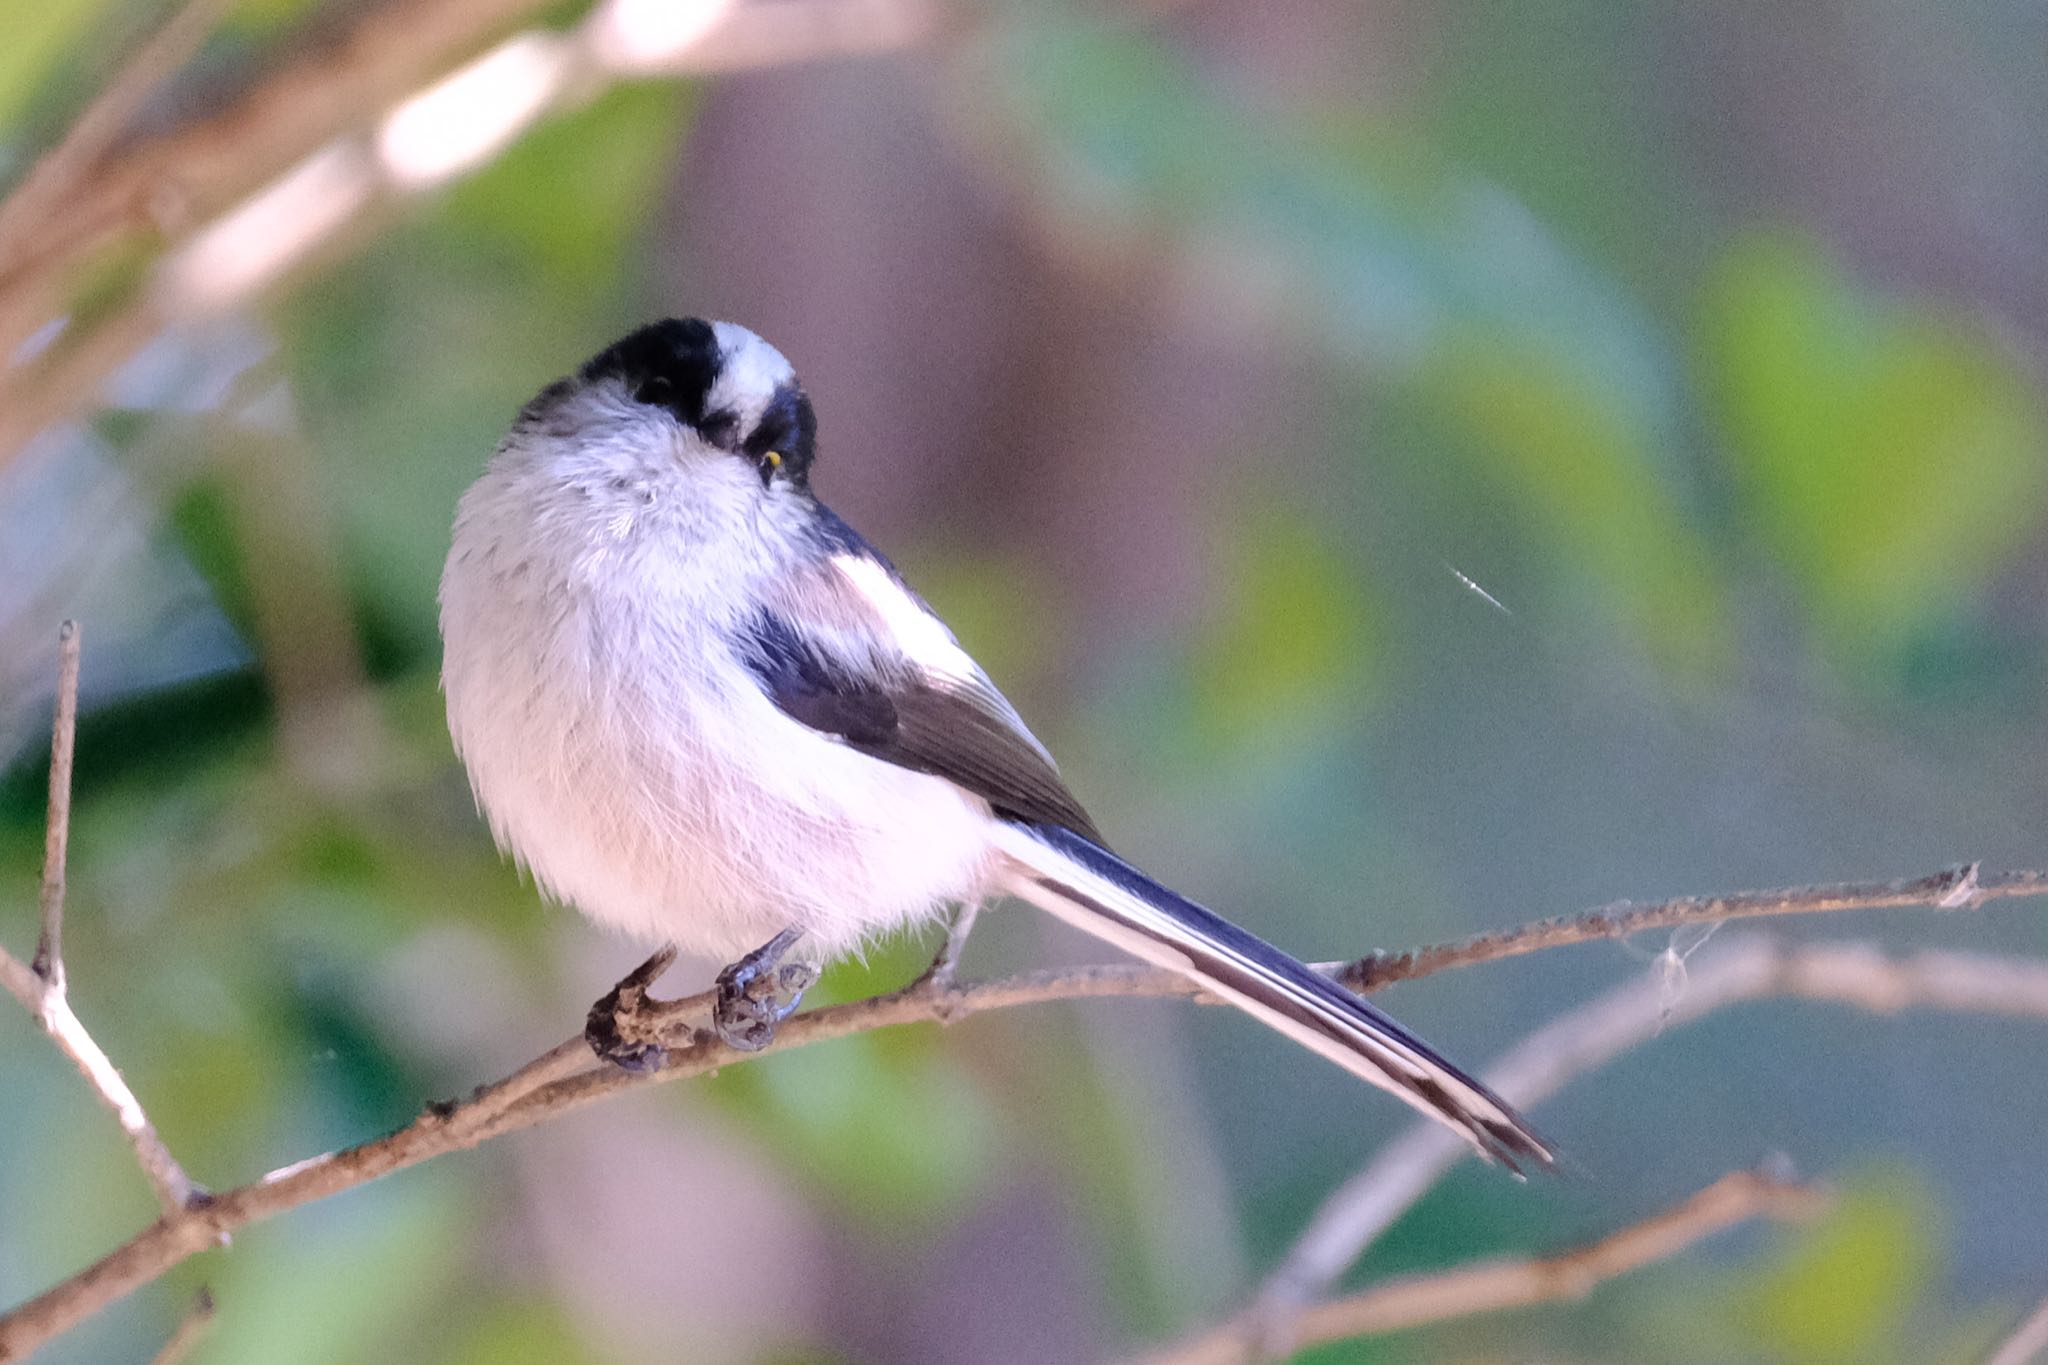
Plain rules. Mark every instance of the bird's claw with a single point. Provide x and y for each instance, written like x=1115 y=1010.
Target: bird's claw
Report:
x=758 y=992
x=612 y=1027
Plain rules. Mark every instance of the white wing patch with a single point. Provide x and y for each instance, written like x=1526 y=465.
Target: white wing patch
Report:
x=924 y=640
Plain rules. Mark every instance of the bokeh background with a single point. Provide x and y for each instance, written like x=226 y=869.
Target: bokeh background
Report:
x=1201 y=362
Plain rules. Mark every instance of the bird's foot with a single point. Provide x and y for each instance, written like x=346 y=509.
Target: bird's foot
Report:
x=616 y=1028
x=758 y=992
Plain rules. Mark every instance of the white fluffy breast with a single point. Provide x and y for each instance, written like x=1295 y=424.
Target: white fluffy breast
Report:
x=622 y=752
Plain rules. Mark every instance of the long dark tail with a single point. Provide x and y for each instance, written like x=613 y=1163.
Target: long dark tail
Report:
x=1094 y=890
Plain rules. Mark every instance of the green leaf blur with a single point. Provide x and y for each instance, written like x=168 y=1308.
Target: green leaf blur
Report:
x=1890 y=451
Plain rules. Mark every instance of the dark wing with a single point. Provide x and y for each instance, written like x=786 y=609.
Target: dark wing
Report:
x=946 y=720
x=811 y=687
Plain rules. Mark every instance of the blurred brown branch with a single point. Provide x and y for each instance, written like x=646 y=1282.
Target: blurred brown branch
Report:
x=235 y=205
x=564 y=1079
x=1494 y=1285
x=63 y=169
x=167 y=183
x=40 y=984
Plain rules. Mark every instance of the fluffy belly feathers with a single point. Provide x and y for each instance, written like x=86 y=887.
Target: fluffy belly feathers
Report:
x=715 y=826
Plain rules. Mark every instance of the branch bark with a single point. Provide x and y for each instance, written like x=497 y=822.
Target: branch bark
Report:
x=1965 y=887
x=48 y=962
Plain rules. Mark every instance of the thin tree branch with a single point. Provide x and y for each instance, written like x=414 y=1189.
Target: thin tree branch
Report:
x=1966 y=887
x=40 y=984
x=1849 y=974
x=562 y=1080
x=52 y=1011
x=2028 y=1343
x=1583 y=1040
x=1501 y=1283
x=49 y=959
x=190 y=1328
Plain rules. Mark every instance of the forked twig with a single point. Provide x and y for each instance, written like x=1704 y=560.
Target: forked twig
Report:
x=40 y=985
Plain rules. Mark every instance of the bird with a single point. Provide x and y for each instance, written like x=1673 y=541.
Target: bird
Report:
x=700 y=707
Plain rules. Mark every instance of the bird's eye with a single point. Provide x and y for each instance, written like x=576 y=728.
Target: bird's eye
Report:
x=771 y=460
x=655 y=390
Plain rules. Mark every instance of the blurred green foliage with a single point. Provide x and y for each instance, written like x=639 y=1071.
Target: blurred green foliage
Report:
x=1846 y=1289
x=38 y=37
x=1889 y=452
x=1254 y=669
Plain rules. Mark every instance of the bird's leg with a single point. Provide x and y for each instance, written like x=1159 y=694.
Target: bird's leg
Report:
x=939 y=976
x=612 y=1026
x=760 y=991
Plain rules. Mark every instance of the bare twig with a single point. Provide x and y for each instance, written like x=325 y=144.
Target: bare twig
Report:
x=1957 y=888
x=1493 y=1285
x=49 y=958
x=1585 y=1039
x=40 y=985
x=2028 y=1343
x=562 y=1080
x=190 y=1328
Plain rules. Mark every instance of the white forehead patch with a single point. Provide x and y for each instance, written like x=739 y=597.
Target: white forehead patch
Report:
x=750 y=372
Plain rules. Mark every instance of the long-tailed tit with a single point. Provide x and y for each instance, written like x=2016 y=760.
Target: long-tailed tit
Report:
x=699 y=706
